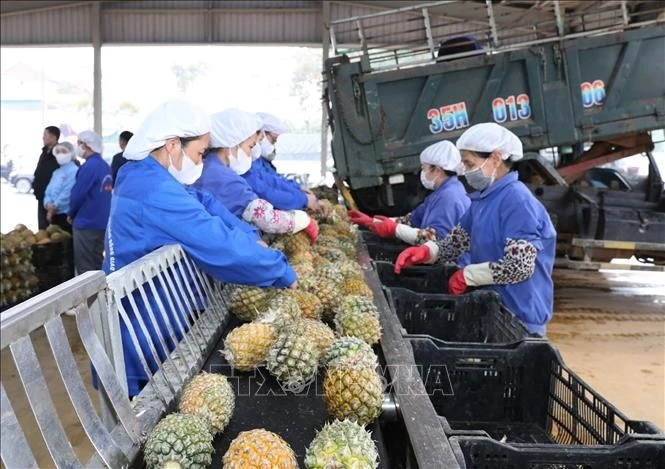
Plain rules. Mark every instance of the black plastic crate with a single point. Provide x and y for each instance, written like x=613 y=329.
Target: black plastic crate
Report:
x=483 y=452
x=385 y=250
x=524 y=398
x=477 y=317
x=54 y=254
x=420 y=278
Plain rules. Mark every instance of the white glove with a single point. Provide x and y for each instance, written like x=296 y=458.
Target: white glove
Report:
x=476 y=275
x=300 y=220
x=407 y=233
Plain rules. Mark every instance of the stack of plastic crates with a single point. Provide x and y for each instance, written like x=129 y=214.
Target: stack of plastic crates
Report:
x=520 y=406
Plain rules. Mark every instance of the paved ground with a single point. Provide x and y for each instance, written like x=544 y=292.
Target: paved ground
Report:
x=16 y=208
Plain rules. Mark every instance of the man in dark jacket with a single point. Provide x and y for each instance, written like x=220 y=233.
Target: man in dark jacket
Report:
x=46 y=165
x=118 y=159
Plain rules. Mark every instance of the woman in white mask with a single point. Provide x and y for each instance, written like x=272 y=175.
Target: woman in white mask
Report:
x=233 y=136
x=152 y=208
x=506 y=232
x=59 y=189
x=439 y=212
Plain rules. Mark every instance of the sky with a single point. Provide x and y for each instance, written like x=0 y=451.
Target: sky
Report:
x=250 y=78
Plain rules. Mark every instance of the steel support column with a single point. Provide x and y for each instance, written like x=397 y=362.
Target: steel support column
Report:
x=325 y=43
x=96 y=25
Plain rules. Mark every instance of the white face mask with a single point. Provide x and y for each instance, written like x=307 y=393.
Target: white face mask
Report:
x=267 y=150
x=427 y=184
x=63 y=158
x=241 y=162
x=79 y=151
x=190 y=171
x=256 y=152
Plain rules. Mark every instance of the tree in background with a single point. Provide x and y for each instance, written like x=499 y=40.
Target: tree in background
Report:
x=306 y=87
x=185 y=75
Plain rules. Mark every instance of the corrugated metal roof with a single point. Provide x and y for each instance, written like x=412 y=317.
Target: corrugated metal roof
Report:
x=278 y=22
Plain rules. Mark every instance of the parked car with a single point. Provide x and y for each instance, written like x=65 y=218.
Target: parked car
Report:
x=6 y=168
x=22 y=180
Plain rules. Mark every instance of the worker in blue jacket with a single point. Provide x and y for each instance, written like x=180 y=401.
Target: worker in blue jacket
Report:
x=59 y=189
x=264 y=154
x=151 y=208
x=439 y=212
x=272 y=187
x=232 y=138
x=90 y=203
x=507 y=231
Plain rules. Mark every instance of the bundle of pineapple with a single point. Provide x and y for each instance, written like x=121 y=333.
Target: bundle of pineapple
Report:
x=352 y=387
x=17 y=274
x=184 y=439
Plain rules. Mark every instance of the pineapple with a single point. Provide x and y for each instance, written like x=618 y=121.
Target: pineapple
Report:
x=350 y=268
x=310 y=305
x=209 y=396
x=328 y=238
x=331 y=253
x=342 y=443
x=358 y=304
x=321 y=335
x=357 y=324
x=179 y=441
x=325 y=290
x=282 y=311
x=355 y=285
x=247 y=302
x=293 y=359
x=246 y=347
x=302 y=268
x=353 y=391
x=320 y=262
x=349 y=348
x=259 y=448
x=348 y=247
x=296 y=243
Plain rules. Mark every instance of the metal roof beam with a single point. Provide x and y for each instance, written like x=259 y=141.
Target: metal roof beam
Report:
x=40 y=9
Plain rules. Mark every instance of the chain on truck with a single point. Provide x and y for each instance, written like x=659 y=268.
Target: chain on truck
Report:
x=581 y=83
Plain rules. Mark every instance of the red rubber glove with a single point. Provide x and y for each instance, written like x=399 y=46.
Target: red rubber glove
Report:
x=457 y=283
x=411 y=256
x=359 y=218
x=385 y=228
x=312 y=231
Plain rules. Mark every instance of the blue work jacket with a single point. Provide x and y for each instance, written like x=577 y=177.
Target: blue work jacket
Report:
x=282 y=198
x=443 y=208
x=151 y=209
x=267 y=169
x=507 y=210
x=90 y=200
x=59 y=189
x=225 y=185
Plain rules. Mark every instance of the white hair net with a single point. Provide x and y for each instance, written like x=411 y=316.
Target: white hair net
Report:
x=66 y=145
x=489 y=137
x=231 y=127
x=172 y=119
x=442 y=154
x=92 y=140
x=272 y=123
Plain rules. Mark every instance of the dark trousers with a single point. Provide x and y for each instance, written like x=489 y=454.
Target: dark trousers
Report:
x=61 y=220
x=42 y=223
x=88 y=250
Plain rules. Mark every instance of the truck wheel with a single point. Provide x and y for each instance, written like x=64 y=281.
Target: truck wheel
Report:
x=23 y=186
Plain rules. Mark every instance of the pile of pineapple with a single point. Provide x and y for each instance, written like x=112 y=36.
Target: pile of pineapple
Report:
x=17 y=273
x=328 y=322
